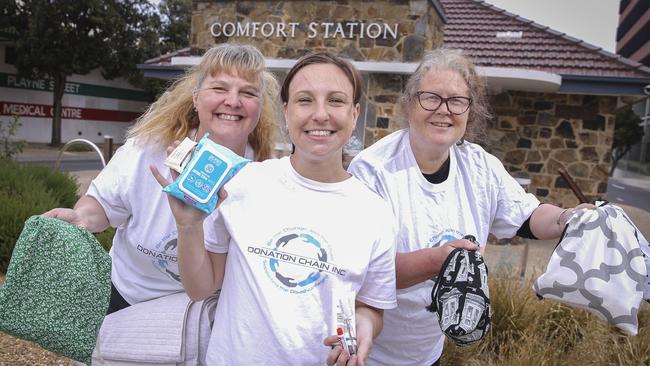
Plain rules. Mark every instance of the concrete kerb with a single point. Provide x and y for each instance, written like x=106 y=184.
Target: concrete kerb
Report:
x=47 y=154
x=633 y=179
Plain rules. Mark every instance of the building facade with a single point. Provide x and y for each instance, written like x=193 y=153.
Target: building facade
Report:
x=633 y=33
x=554 y=97
x=93 y=107
x=633 y=42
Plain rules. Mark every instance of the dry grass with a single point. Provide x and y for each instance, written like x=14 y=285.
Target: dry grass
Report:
x=17 y=352
x=527 y=331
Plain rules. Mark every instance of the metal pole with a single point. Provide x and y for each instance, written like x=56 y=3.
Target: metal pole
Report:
x=57 y=164
x=524 y=183
x=572 y=184
x=108 y=147
x=524 y=261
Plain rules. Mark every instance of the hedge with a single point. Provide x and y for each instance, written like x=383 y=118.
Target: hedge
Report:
x=31 y=190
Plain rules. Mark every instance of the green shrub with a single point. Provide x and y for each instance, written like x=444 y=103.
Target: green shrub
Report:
x=105 y=238
x=9 y=145
x=79 y=147
x=27 y=191
x=62 y=187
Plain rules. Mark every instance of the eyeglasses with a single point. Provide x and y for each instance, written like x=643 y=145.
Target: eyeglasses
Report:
x=432 y=102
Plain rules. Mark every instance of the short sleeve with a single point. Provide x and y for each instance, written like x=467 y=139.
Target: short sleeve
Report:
x=364 y=171
x=379 y=287
x=216 y=236
x=514 y=205
x=110 y=186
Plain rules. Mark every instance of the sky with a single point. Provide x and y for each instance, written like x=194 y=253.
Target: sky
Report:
x=593 y=21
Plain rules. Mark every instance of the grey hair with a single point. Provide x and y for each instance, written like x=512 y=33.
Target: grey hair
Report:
x=454 y=60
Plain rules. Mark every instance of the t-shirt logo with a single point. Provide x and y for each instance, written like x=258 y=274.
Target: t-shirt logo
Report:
x=164 y=257
x=444 y=236
x=296 y=260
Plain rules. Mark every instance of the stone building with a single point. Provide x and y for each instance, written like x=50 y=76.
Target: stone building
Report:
x=633 y=42
x=553 y=96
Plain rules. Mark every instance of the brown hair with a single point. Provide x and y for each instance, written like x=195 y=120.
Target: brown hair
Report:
x=324 y=57
x=172 y=116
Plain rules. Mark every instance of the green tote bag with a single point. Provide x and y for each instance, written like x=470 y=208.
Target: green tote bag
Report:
x=57 y=288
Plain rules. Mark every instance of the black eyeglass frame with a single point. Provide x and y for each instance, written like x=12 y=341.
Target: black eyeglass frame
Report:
x=443 y=100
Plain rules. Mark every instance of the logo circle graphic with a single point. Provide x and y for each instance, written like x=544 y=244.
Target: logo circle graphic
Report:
x=302 y=261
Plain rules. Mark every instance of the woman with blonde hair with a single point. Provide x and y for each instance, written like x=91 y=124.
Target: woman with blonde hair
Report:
x=228 y=95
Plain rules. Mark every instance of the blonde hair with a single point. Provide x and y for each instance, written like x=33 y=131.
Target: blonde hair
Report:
x=172 y=116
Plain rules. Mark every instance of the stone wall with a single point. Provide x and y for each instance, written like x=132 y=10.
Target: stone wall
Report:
x=535 y=134
x=383 y=115
x=419 y=27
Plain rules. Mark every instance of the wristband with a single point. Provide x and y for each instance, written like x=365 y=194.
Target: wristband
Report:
x=559 y=217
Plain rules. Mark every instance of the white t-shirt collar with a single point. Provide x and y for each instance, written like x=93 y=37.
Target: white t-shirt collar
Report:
x=312 y=184
x=423 y=182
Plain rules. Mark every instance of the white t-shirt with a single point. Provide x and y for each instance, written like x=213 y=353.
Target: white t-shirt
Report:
x=144 y=253
x=290 y=242
x=477 y=198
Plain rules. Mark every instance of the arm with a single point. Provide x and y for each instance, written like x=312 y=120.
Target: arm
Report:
x=201 y=271
x=369 y=323
x=423 y=264
x=548 y=221
x=87 y=212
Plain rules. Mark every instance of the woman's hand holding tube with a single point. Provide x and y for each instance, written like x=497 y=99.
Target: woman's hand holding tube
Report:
x=369 y=323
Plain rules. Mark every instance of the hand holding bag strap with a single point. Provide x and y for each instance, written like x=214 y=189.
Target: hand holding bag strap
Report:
x=460 y=297
x=598 y=266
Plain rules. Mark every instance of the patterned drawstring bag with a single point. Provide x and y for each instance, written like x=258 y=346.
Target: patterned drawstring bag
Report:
x=57 y=288
x=461 y=298
x=599 y=265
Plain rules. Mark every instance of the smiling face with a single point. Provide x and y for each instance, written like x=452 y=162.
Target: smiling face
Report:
x=320 y=113
x=229 y=108
x=434 y=132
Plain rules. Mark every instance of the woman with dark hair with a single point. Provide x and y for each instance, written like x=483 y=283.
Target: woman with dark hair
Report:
x=441 y=188
x=293 y=236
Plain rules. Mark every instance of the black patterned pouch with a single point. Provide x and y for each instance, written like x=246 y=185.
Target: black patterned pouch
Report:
x=460 y=297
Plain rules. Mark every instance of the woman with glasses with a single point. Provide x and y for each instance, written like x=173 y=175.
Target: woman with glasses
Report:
x=441 y=188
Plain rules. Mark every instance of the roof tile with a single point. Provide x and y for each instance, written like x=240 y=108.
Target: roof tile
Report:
x=473 y=25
